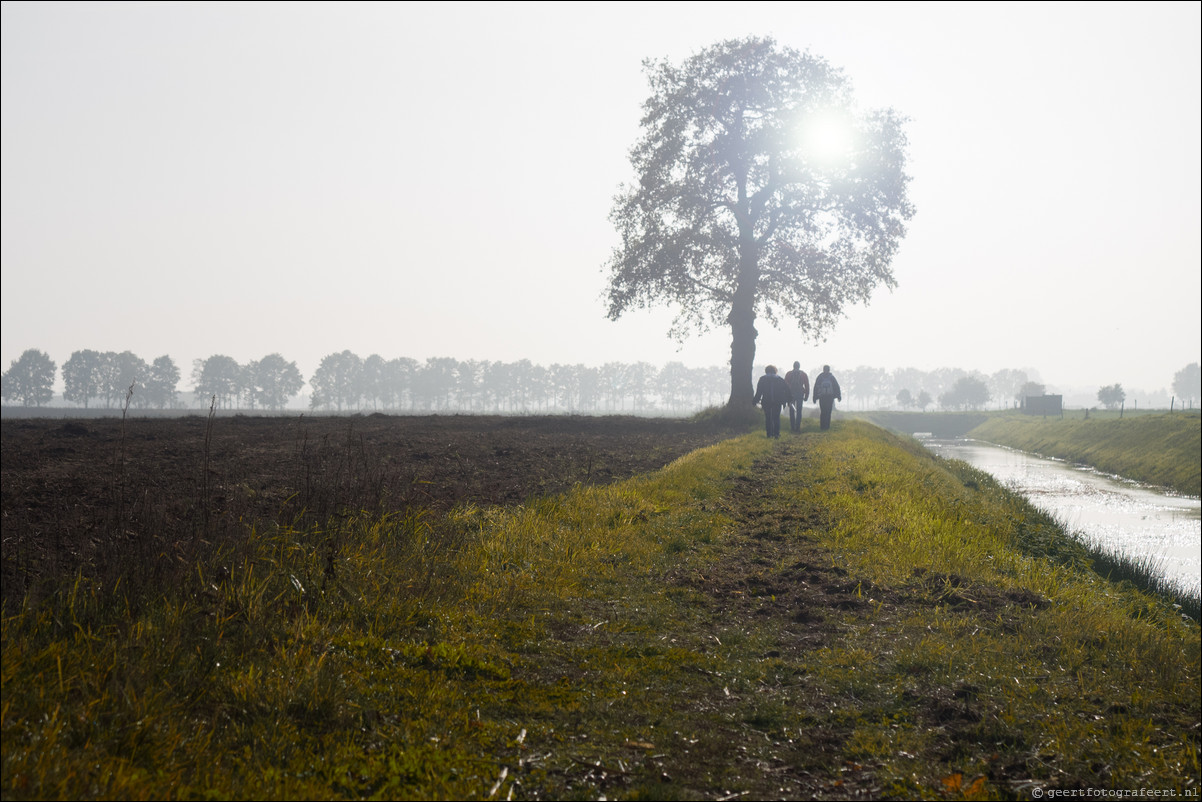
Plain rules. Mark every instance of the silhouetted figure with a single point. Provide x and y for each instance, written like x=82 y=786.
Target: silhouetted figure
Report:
x=826 y=392
x=799 y=383
x=774 y=393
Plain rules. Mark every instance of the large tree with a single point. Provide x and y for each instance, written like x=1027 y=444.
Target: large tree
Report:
x=121 y=374
x=865 y=384
x=1007 y=384
x=220 y=378
x=969 y=392
x=82 y=376
x=761 y=190
x=336 y=383
x=271 y=381
x=162 y=377
x=29 y=379
x=373 y=388
x=399 y=375
x=1187 y=383
x=1112 y=395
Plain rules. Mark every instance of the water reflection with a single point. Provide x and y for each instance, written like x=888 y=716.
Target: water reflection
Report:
x=1125 y=516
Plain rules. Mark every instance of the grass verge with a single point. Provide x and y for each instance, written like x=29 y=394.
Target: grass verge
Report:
x=832 y=615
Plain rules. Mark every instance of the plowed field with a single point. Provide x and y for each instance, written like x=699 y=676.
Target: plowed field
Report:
x=83 y=492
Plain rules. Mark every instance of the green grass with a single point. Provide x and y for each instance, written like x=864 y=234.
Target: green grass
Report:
x=1147 y=573
x=832 y=614
x=1014 y=616
x=1160 y=448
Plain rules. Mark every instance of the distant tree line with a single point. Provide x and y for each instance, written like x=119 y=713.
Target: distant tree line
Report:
x=944 y=388
x=93 y=377
x=265 y=383
x=345 y=382
x=1187 y=387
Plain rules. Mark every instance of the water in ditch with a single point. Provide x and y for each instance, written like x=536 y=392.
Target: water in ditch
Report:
x=1138 y=520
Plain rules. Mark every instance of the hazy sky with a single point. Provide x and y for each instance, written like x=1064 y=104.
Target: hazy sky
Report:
x=435 y=180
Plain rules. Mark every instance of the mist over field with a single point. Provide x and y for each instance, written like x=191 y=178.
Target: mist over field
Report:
x=249 y=180
x=98 y=383
x=380 y=386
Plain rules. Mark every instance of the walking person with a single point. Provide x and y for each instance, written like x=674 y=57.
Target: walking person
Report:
x=774 y=393
x=826 y=392
x=799 y=383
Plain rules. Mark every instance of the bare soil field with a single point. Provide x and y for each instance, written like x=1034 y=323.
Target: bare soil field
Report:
x=85 y=492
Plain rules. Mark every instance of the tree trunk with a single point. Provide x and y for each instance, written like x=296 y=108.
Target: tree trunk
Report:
x=742 y=354
x=742 y=322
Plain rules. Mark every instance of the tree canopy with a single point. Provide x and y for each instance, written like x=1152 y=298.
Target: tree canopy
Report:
x=219 y=377
x=1112 y=396
x=969 y=392
x=82 y=376
x=29 y=379
x=271 y=381
x=761 y=190
x=1187 y=383
x=162 y=377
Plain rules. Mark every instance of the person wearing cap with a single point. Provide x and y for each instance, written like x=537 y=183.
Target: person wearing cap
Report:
x=773 y=392
x=799 y=383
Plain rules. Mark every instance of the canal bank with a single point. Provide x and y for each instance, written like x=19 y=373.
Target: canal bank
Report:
x=1141 y=522
x=1160 y=448
x=1156 y=448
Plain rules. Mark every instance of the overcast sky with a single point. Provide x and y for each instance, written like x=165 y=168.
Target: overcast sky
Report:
x=435 y=180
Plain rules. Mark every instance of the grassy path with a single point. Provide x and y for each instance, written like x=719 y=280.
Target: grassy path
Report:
x=691 y=683
x=831 y=615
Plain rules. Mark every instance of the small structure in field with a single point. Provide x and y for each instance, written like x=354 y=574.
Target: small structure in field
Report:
x=1044 y=405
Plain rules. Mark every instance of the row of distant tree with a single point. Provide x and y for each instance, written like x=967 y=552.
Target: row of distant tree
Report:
x=346 y=382
x=1187 y=387
x=93 y=378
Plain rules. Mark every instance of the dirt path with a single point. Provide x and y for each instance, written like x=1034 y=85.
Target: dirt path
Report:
x=774 y=577
x=714 y=699
x=731 y=687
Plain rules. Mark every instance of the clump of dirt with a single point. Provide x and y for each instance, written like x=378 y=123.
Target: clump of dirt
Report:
x=80 y=492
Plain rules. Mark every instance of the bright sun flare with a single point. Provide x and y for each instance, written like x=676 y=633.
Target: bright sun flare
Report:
x=827 y=137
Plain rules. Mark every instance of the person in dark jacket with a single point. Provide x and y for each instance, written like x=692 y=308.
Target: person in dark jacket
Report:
x=826 y=392
x=773 y=392
x=799 y=383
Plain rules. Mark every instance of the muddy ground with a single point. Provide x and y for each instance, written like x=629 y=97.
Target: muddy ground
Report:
x=79 y=492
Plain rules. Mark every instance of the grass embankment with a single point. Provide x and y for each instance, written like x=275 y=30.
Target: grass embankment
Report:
x=1161 y=449
x=832 y=614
